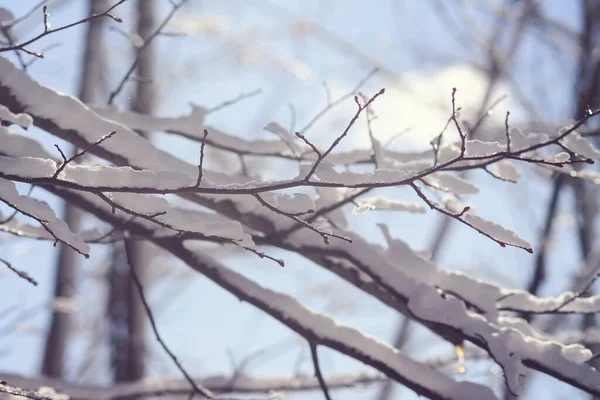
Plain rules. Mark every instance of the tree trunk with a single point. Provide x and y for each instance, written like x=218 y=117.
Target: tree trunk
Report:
x=68 y=259
x=127 y=310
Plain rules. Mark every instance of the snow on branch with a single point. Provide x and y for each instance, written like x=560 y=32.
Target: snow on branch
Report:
x=426 y=303
x=192 y=127
x=42 y=213
x=566 y=303
x=324 y=330
x=21 y=119
x=161 y=386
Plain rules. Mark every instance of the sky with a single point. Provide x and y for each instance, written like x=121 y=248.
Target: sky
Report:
x=236 y=47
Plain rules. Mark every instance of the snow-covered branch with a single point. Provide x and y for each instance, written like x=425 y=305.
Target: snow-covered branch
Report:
x=218 y=383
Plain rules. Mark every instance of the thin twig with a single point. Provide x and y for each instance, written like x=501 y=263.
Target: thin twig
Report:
x=227 y=103
x=114 y=93
x=47 y=31
x=82 y=152
x=197 y=389
x=200 y=164
x=318 y=374
x=332 y=104
x=21 y=274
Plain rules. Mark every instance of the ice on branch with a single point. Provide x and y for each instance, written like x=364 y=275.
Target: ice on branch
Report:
x=43 y=214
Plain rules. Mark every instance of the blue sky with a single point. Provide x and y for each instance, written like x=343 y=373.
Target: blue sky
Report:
x=255 y=49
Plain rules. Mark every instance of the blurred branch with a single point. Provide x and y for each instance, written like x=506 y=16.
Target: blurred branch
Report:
x=48 y=31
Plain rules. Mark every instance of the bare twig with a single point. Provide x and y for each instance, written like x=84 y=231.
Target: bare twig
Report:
x=125 y=78
x=199 y=180
x=318 y=374
x=47 y=30
x=457 y=216
x=324 y=235
x=227 y=103
x=360 y=109
x=331 y=104
x=78 y=154
x=21 y=274
x=196 y=388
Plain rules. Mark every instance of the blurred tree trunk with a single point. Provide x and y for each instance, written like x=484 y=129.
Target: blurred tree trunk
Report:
x=586 y=195
x=127 y=313
x=68 y=259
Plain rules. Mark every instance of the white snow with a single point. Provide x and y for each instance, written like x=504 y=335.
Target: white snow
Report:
x=477 y=148
x=43 y=213
x=505 y=169
x=17 y=145
x=382 y=203
x=192 y=126
x=178 y=219
x=340 y=336
x=580 y=145
x=561 y=157
x=293 y=203
x=451 y=183
x=520 y=140
x=23 y=120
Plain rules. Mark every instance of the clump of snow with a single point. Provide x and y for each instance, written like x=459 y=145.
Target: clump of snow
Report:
x=451 y=183
x=494 y=230
x=580 y=145
x=126 y=177
x=43 y=213
x=520 y=140
x=192 y=126
x=6 y=16
x=326 y=173
x=561 y=157
x=504 y=169
x=477 y=148
x=382 y=203
x=17 y=145
x=290 y=203
x=183 y=220
x=23 y=120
